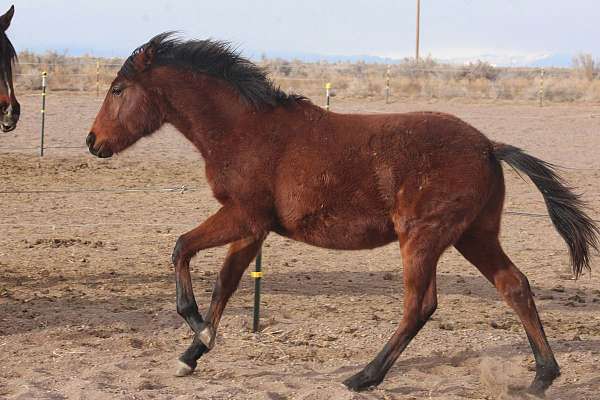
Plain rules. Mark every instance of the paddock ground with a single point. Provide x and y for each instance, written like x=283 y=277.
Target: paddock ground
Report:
x=87 y=291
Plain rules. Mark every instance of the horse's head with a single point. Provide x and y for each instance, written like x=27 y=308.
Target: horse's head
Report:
x=130 y=110
x=201 y=83
x=9 y=106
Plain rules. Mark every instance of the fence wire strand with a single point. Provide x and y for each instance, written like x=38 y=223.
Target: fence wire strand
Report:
x=177 y=189
x=54 y=226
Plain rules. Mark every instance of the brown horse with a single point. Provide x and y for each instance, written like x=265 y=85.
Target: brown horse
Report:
x=9 y=106
x=278 y=163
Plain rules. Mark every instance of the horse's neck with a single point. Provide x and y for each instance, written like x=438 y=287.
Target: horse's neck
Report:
x=220 y=125
x=206 y=120
x=238 y=143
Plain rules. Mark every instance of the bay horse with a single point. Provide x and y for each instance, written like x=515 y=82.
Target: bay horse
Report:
x=278 y=163
x=10 y=108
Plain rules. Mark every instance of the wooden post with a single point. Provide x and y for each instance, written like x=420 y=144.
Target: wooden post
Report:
x=418 y=30
x=541 y=87
x=387 y=85
x=98 y=78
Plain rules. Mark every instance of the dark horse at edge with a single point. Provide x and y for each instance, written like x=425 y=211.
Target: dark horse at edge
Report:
x=10 y=109
x=278 y=163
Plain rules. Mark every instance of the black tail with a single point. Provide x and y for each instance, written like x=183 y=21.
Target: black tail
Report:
x=565 y=208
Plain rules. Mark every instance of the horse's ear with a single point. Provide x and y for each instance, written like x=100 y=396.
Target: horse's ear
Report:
x=6 y=18
x=144 y=58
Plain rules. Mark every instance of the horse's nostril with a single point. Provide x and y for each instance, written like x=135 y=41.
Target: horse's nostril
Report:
x=91 y=138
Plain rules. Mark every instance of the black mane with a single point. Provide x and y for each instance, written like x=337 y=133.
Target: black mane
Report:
x=216 y=58
x=8 y=55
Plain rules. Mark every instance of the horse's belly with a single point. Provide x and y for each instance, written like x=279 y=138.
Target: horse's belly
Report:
x=337 y=232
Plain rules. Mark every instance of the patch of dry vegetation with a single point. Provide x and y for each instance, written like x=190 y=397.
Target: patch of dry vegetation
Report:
x=427 y=79
x=65 y=73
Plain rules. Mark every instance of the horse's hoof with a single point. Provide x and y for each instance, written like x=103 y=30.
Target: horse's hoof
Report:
x=536 y=392
x=183 y=369
x=538 y=388
x=207 y=336
x=361 y=381
x=542 y=382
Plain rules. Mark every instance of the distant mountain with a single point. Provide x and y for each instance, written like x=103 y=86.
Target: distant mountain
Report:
x=331 y=58
x=554 y=60
x=521 y=60
x=503 y=60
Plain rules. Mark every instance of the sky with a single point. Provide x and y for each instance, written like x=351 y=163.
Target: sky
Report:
x=514 y=30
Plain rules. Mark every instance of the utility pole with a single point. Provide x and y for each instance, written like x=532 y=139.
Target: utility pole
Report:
x=418 y=29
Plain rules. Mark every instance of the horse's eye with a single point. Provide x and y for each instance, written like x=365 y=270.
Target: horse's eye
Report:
x=116 y=90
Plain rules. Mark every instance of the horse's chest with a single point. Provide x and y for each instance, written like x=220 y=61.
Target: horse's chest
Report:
x=231 y=185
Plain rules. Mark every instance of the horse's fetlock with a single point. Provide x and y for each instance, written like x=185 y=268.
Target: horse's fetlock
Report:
x=207 y=335
x=187 y=310
x=429 y=310
x=548 y=372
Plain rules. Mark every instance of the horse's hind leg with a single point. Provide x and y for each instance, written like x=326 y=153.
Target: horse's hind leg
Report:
x=419 y=257
x=239 y=256
x=481 y=247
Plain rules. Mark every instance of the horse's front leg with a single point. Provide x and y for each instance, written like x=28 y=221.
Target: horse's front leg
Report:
x=226 y=226
x=240 y=255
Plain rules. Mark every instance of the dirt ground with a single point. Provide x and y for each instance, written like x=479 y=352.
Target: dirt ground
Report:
x=87 y=292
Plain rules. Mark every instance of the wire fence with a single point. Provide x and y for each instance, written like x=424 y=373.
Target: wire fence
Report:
x=324 y=81
x=404 y=80
x=327 y=88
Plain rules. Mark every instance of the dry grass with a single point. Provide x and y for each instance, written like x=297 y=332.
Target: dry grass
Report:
x=65 y=73
x=408 y=80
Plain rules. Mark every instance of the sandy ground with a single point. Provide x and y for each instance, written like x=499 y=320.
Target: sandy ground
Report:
x=87 y=291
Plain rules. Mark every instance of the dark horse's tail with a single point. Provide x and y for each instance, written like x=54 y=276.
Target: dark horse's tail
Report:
x=579 y=231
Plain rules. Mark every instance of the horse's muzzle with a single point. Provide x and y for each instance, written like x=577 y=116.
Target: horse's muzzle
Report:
x=10 y=117
x=8 y=127
x=100 y=151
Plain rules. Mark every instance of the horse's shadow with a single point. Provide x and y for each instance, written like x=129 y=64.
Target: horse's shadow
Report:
x=134 y=310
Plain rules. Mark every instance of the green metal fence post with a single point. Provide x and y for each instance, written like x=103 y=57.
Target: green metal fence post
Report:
x=257 y=275
x=44 y=76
